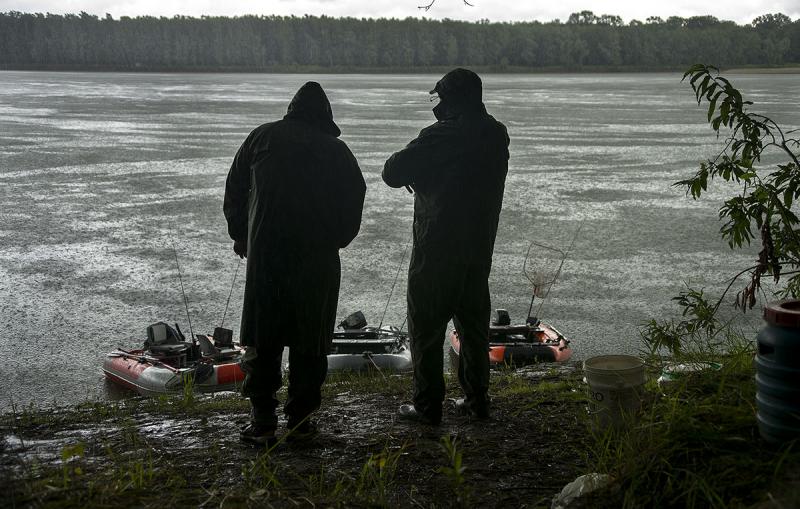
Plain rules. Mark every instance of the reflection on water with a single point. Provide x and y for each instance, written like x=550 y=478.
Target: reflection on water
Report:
x=98 y=172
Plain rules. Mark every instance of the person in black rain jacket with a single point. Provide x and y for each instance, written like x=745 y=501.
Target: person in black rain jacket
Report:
x=293 y=198
x=457 y=169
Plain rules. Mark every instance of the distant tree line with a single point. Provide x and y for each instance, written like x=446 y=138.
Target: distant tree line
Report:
x=256 y=43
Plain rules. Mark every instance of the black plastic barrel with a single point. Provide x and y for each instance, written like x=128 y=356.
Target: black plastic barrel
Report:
x=778 y=373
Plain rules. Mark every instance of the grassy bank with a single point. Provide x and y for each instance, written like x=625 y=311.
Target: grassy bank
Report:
x=147 y=452
x=695 y=445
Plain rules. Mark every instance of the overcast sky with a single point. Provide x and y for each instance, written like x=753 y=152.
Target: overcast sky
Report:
x=741 y=11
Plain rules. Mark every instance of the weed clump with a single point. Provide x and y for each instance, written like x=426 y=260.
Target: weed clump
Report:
x=696 y=444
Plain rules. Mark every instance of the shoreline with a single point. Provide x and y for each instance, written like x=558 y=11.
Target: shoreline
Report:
x=789 y=69
x=483 y=69
x=137 y=451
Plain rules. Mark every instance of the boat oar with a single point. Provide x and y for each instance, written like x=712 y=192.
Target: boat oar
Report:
x=142 y=358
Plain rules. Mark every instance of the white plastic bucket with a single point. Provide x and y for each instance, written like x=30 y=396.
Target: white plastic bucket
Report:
x=615 y=387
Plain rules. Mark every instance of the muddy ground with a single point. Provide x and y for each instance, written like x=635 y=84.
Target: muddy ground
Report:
x=186 y=452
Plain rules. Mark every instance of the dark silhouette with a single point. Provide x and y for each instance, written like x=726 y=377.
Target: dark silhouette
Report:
x=457 y=168
x=293 y=198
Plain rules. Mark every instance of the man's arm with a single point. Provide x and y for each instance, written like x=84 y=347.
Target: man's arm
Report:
x=422 y=156
x=352 y=203
x=237 y=191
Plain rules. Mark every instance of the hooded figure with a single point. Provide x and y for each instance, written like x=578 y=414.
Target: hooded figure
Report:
x=457 y=168
x=293 y=198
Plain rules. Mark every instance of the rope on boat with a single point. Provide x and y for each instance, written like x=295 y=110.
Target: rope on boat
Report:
x=369 y=357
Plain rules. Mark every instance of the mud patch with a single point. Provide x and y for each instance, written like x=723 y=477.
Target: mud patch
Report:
x=169 y=450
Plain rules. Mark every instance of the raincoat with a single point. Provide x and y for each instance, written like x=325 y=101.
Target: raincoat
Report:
x=457 y=168
x=294 y=193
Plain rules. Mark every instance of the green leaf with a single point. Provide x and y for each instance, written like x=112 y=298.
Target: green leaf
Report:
x=695 y=68
x=701 y=89
x=697 y=75
x=724 y=109
x=737 y=97
x=746 y=154
x=711 y=90
x=712 y=106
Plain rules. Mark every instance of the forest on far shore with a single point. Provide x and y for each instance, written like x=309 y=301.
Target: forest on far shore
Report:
x=274 y=43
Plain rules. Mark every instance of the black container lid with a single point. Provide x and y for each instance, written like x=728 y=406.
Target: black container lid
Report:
x=783 y=313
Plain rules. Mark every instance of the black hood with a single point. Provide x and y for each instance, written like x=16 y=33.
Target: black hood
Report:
x=460 y=90
x=311 y=105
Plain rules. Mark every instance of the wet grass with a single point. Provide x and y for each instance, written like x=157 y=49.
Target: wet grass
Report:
x=366 y=382
x=695 y=444
x=185 y=452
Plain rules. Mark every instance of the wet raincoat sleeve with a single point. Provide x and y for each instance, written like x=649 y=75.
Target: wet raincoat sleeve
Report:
x=432 y=150
x=352 y=190
x=237 y=191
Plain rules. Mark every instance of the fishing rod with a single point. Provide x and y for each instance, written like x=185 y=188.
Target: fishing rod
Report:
x=183 y=292
x=397 y=274
x=236 y=273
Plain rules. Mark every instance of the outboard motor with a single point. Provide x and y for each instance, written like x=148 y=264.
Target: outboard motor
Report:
x=501 y=317
x=532 y=321
x=354 y=321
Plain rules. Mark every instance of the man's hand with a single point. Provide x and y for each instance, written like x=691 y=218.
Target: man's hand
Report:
x=240 y=248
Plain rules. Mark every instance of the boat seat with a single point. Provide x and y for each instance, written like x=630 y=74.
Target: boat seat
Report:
x=223 y=338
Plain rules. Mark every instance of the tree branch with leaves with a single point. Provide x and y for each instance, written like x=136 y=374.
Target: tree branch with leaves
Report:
x=763 y=205
x=760 y=210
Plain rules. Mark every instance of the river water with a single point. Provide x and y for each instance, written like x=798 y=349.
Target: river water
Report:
x=101 y=173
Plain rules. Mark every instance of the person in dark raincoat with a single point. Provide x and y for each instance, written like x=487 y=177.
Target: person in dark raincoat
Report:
x=293 y=198
x=457 y=168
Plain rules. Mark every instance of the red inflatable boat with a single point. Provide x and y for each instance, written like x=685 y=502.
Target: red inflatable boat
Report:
x=168 y=364
x=518 y=345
